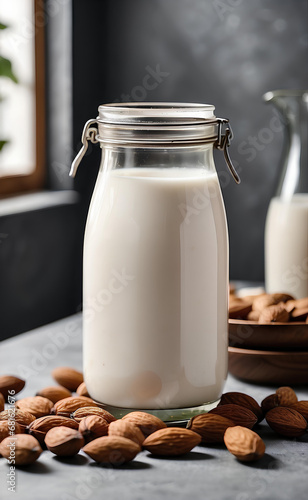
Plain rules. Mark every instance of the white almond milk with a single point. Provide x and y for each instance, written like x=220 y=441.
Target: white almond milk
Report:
x=286 y=246
x=155 y=289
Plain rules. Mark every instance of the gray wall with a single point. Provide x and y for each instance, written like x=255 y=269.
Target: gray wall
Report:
x=223 y=52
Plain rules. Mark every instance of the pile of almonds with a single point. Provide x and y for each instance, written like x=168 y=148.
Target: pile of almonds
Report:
x=268 y=308
x=64 y=423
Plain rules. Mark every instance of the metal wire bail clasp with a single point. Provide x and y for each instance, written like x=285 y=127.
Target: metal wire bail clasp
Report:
x=223 y=142
x=89 y=133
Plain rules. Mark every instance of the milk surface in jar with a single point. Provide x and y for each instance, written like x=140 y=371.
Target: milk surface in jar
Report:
x=155 y=288
x=151 y=265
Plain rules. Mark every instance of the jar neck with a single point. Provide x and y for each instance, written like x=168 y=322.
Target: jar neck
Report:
x=115 y=157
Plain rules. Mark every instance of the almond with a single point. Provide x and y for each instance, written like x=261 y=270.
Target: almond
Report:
x=290 y=305
x=245 y=444
x=82 y=390
x=286 y=396
x=262 y=301
x=270 y=402
x=239 y=308
x=282 y=297
x=26 y=449
x=93 y=427
x=23 y=418
x=253 y=316
x=171 y=441
x=39 y=427
x=126 y=429
x=67 y=377
x=299 y=314
x=115 y=450
x=286 y=421
x=8 y=429
x=301 y=407
x=37 y=405
x=85 y=411
x=2 y=402
x=210 y=427
x=54 y=393
x=67 y=406
x=274 y=314
x=241 y=399
x=237 y=414
x=10 y=383
x=301 y=303
x=146 y=422
x=63 y=441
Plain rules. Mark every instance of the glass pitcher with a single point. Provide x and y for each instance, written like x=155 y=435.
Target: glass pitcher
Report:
x=155 y=297
x=286 y=231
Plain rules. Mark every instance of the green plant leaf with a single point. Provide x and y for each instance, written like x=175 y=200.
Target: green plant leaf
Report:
x=3 y=26
x=2 y=144
x=6 y=69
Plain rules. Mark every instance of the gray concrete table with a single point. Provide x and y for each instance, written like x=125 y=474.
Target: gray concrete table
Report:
x=207 y=472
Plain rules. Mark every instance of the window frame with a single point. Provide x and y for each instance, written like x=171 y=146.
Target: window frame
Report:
x=15 y=184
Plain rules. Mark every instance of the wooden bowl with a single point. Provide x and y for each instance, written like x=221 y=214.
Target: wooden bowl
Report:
x=270 y=337
x=269 y=367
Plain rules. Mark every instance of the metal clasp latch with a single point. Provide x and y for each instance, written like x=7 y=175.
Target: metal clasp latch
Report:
x=89 y=133
x=223 y=142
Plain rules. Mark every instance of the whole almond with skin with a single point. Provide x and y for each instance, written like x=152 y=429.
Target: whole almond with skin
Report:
x=210 y=427
x=286 y=396
x=10 y=383
x=85 y=411
x=253 y=316
x=146 y=422
x=301 y=407
x=241 y=399
x=290 y=305
x=63 y=441
x=67 y=406
x=126 y=429
x=23 y=418
x=39 y=427
x=82 y=390
x=37 y=405
x=286 y=421
x=262 y=301
x=115 y=450
x=274 y=314
x=282 y=297
x=25 y=449
x=239 y=308
x=2 y=402
x=301 y=303
x=8 y=429
x=67 y=377
x=54 y=393
x=270 y=402
x=172 y=441
x=298 y=314
x=244 y=443
x=93 y=427
x=237 y=414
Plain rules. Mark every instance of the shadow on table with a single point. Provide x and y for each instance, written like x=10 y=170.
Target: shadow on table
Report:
x=36 y=468
x=191 y=456
x=134 y=465
x=267 y=462
x=76 y=460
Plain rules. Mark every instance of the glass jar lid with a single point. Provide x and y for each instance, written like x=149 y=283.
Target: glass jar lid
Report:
x=157 y=124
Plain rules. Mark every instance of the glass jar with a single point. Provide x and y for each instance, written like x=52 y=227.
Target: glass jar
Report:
x=286 y=229
x=155 y=297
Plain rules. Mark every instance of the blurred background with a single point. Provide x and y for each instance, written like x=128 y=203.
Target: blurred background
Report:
x=61 y=59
